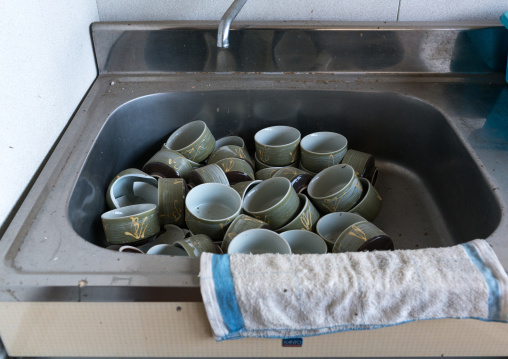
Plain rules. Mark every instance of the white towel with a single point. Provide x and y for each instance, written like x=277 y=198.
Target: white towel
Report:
x=287 y=296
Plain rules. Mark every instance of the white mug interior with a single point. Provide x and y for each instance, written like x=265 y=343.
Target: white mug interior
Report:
x=133 y=189
x=213 y=202
x=259 y=241
x=267 y=194
x=330 y=181
x=277 y=136
x=168 y=250
x=186 y=135
x=323 y=142
x=126 y=212
x=330 y=226
x=303 y=242
x=229 y=140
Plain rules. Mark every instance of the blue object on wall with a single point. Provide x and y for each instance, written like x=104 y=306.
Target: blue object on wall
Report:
x=497 y=120
x=504 y=21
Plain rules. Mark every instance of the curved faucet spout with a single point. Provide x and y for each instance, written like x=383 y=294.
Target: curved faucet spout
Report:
x=225 y=23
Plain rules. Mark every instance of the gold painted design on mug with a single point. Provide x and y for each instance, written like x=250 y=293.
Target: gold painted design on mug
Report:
x=139 y=229
x=177 y=163
x=332 y=159
x=253 y=220
x=231 y=236
x=332 y=204
x=177 y=213
x=263 y=156
x=199 y=150
x=263 y=220
x=190 y=220
x=190 y=151
x=193 y=152
x=293 y=156
x=306 y=220
x=294 y=153
x=228 y=166
x=379 y=197
x=357 y=232
x=358 y=185
x=239 y=152
x=223 y=225
x=289 y=171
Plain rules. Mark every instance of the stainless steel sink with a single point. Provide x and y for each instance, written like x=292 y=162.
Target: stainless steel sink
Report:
x=435 y=194
x=420 y=99
x=417 y=100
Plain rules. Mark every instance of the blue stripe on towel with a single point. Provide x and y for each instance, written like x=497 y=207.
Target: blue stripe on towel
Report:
x=225 y=292
x=493 y=285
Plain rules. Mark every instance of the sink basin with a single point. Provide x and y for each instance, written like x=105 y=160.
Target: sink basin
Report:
x=434 y=192
x=426 y=101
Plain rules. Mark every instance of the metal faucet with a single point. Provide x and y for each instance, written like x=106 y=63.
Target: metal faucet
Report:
x=225 y=23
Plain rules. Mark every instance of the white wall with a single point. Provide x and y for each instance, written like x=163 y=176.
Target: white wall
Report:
x=46 y=66
x=340 y=10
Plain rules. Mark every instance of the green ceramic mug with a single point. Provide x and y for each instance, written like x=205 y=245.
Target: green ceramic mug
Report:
x=241 y=224
x=244 y=187
x=130 y=187
x=167 y=250
x=273 y=201
x=236 y=170
x=230 y=151
x=321 y=150
x=261 y=166
x=369 y=204
x=277 y=145
x=362 y=236
x=304 y=242
x=330 y=226
x=259 y=241
x=230 y=140
x=298 y=178
x=196 y=245
x=210 y=208
x=193 y=164
x=168 y=164
x=306 y=217
x=170 y=235
x=172 y=192
x=363 y=163
x=208 y=174
x=335 y=189
x=130 y=224
x=266 y=173
x=193 y=140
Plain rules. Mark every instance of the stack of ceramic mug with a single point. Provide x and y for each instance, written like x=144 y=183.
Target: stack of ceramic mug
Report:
x=308 y=196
